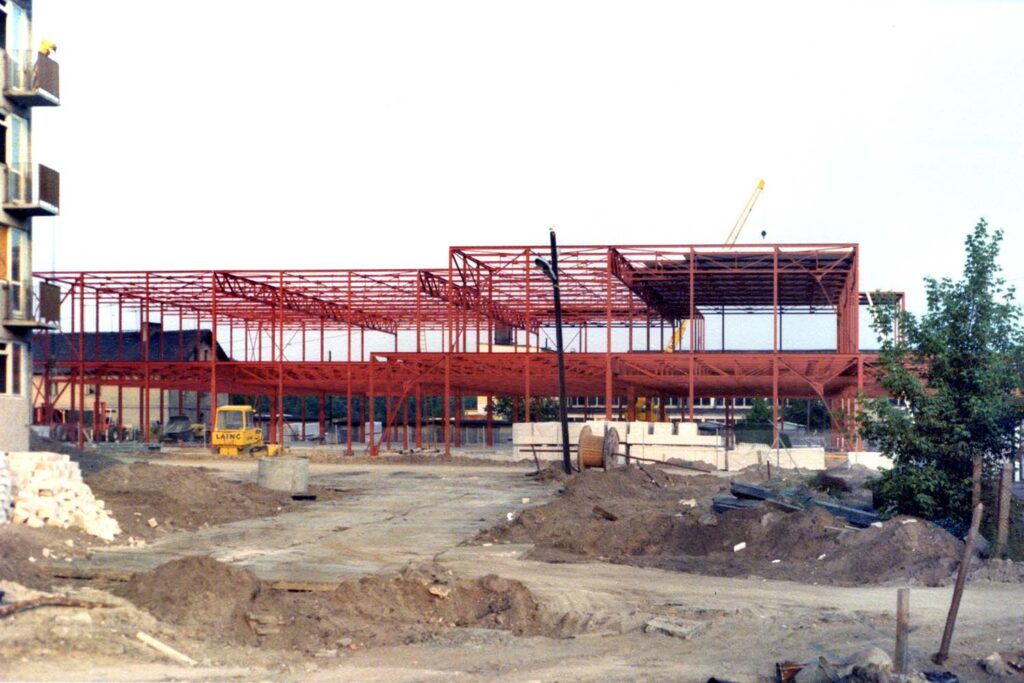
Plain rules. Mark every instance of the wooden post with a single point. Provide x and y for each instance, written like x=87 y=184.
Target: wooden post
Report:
x=958 y=591
x=1003 y=513
x=902 y=630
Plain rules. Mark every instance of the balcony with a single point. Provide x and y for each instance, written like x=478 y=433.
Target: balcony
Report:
x=20 y=301
x=32 y=80
x=32 y=191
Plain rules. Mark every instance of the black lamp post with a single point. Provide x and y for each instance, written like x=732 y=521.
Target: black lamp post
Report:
x=551 y=270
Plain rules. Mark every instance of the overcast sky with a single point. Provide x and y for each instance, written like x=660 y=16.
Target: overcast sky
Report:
x=309 y=134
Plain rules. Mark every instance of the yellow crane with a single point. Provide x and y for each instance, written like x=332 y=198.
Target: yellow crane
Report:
x=730 y=240
x=642 y=403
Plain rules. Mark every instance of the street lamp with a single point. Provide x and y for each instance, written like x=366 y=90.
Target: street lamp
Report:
x=551 y=271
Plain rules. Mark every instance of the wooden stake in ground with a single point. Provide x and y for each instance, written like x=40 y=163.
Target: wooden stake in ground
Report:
x=958 y=590
x=902 y=630
x=1003 y=513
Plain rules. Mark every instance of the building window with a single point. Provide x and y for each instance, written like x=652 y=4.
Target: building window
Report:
x=12 y=360
x=16 y=156
x=15 y=269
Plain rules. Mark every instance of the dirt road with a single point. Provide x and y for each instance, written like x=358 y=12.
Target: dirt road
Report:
x=402 y=513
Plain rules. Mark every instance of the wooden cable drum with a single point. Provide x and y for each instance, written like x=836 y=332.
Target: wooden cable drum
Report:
x=596 y=451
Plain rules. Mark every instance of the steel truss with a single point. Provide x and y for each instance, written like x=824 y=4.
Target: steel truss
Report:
x=483 y=293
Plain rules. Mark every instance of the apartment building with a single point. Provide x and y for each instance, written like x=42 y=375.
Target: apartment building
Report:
x=27 y=190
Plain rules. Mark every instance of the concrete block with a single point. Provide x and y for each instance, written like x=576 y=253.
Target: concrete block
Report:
x=660 y=429
x=686 y=429
x=522 y=433
x=872 y=459
x=574 y=432
x=283 y=474
x=679 y=628
x=547 y=433
x=638 y=432
x=655 y=451
x=738 y=459
x=799 y=458
x=621 y=428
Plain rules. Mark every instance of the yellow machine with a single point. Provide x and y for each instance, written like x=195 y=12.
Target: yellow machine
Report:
x=235 y=432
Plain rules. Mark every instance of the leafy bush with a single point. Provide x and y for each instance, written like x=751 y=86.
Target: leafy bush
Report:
x=927 y=491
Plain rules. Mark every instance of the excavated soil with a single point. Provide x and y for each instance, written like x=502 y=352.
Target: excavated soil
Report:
x=998 y=571
x=207 y=598
x=184 y=498
x=656 y=526
x=177 y=498
x=23 y=550
x=228 y=605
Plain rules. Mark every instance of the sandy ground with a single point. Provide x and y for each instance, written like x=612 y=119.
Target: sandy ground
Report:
x=398 y=513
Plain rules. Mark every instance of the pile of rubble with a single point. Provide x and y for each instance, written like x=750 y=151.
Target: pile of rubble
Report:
x=6 y=490
x=46 y=489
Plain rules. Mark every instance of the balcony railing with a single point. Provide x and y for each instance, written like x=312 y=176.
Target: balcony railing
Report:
x=33 y=79
x=32 y=190
x=21 y=301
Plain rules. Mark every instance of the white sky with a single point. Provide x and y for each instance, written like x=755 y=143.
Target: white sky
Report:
x=309 y=134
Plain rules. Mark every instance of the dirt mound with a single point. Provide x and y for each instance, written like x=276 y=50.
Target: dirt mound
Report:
x=667 y=522
x=23 y=550
x=998 y=571
x=181 y=498
x=209 y=599
x=413 y=605
x=215 y=601
x=644 y=508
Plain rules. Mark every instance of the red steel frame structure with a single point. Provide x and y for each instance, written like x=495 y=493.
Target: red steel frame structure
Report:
x=626 y=291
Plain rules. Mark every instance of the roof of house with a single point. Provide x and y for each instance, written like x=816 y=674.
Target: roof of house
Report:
x=170 y=345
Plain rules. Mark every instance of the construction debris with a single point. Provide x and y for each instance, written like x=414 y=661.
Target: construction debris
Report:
x=48 y=491
x=165 y=649
x=994 y=665
x=440 y=591
x=790 y=499
x=6 y=490
x=650 y=531
x=47 y=601
x=679 y=628
x=265 y=624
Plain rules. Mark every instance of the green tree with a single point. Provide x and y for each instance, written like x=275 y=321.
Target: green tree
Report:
x=756 y=426
x=760 y=413
x=548 y=409
x=951 y=376
x=812 y=414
